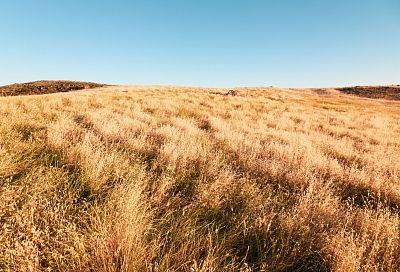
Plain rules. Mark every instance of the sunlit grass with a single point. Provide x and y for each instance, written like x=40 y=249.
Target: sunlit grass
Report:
x=183 y=179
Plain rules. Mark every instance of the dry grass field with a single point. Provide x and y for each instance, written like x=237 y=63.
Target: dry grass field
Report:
x=187 y=179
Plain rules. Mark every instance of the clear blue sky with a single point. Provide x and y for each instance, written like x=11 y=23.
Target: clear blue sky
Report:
x=202 y=42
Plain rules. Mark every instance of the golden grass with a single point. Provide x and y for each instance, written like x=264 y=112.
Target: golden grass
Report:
x=184 y=179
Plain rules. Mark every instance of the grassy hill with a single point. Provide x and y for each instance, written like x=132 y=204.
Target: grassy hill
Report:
x=46 y=87
x=190 y=179
x=384 y=92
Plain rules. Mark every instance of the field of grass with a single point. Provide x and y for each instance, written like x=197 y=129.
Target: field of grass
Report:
x=186 y=179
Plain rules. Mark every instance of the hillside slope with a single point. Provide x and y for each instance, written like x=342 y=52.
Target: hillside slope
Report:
x=45 y=87
x=383 y=92
x=189 y=179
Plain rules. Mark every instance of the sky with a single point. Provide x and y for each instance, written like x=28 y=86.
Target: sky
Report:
x=219 y=43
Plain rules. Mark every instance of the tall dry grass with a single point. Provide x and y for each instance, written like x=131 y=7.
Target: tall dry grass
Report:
x=184 y=179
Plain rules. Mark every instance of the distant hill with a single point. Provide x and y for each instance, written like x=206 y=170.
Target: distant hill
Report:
x=391 y=92
x=46 y=87
x=385 y=92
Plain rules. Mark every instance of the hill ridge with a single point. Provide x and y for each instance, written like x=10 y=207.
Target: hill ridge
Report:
x=46 y=87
